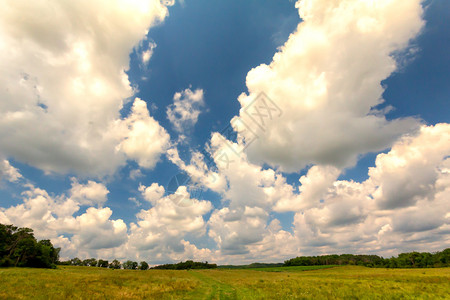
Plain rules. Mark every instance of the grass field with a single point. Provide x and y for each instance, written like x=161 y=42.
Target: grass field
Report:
x=350 y=282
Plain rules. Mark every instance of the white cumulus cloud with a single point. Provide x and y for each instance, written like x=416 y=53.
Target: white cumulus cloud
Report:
x=63 y=81
x=326 y=80
x=91 y=193
x=9 y=172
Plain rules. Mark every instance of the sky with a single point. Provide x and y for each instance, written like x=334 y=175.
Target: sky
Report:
x=226 y=131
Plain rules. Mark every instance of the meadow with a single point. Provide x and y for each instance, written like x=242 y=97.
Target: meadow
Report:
x=321 y=282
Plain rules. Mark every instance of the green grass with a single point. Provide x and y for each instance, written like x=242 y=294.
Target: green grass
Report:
x=349 y=282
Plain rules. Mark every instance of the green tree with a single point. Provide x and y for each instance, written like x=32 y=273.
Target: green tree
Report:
x=90 y=262
x=18 y=247
x=130 y=265
x=115 y=264
x=143 y=265
x=102 y=263
x=76 y=262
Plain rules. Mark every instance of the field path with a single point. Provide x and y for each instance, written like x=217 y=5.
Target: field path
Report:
x=216 y=288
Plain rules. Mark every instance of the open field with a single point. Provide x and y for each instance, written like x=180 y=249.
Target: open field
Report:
x=349 y=282
x=292 y=269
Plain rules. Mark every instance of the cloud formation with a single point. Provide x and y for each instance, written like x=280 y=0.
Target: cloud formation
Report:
x=330 y=215
x=8 y=172
x=92 y=193
x=143 y=139
x=184 y=112
x=53 y=218
x=64 y=81
x=326 y=79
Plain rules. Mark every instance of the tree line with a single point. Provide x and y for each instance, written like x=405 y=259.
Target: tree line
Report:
x=115 y=264
x=187 y=265
x=132 y=265
x=403 y=260
x=19 y=248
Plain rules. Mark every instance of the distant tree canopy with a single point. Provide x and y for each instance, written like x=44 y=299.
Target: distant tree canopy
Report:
x=130 y=265
x=115 y=264
x=187 y=265
x=403 y=260
x=143 y=265
x=19 y=248
x=102 y=263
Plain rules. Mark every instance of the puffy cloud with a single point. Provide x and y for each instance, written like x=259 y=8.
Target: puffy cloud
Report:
x=52 y=218
x=276 y=245
x=64 y=81
x=402 y=206
x=184 y=112
x=92 y=193
x=160 y=230
x=314 y=186
x=326 y=80
x=410 y=170
x=152 y=193
x=145 y=140
x=234 y=230
x=248 y=193
x=330 y=215
x=107 y=234
x=8 y=172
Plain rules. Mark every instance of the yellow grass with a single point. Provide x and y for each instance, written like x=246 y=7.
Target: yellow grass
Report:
x=348 y=282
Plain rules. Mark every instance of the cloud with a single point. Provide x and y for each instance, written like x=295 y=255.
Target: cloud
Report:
x=248 y=194
x=135 y=201
x=184 y=112
x=326 y=80
x=330 y=215
x=135 y=173
x=92 y=193
x=64 y=80
x=160 y=230
x=411 y=169
x=401 y=206
x=147 y=54
x=8 y=172
x=107 y=234
x=51 y=217
x=314 y=186
x=152 y=193
x=144 y=139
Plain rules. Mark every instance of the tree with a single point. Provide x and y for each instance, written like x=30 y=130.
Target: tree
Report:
x=130 y=265
x=143 y=265
x=76 y=262
x=19 y=247
x=90 y=262
x=102 y=263
x=52 y=251
x=115 y=264
x=187 y=265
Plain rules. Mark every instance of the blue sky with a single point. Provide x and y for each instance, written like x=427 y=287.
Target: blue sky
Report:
x=103 y=107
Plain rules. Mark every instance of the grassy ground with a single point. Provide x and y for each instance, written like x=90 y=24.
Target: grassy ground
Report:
x=283 y=283
x=292 y=269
